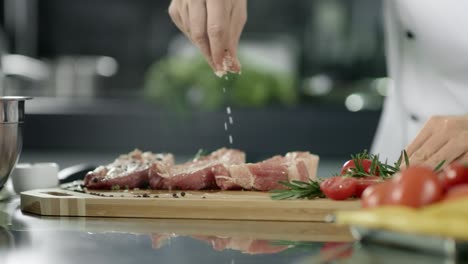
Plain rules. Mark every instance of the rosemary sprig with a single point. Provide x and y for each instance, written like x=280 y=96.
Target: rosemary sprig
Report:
x=439 y=166
x=311 y=189
x=298 y=190
x=377 y=167
x=406 y=159
x=200 y=153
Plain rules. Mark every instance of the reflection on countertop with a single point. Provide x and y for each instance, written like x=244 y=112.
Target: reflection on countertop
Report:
x=26 y=238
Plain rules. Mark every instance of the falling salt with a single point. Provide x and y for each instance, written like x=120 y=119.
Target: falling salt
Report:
x=228 y=112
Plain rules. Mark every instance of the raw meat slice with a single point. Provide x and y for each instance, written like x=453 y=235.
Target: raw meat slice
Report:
x=265 y=175
x=194 y=175
x=302 y=166
x=127 y=171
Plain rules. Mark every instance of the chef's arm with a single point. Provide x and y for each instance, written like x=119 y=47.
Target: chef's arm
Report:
x=214 y=26
x=442 y=138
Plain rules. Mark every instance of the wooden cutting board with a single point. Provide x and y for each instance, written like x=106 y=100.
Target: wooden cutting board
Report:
x=228 y=205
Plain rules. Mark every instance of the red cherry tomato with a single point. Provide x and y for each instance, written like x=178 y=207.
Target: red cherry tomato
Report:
x=338 y=188
x=457 y=192
x=415 y=187
x=363 y=183
x=455 y=174
x=376 y=195
x=366 y=164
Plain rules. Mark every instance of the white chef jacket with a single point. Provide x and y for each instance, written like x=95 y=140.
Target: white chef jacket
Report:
x=427 y=58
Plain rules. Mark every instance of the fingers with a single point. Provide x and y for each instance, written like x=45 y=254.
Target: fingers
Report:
x=463 y=140
x=448 y=141
x=175 y=15
x=198 y=32
x=429 y=147
x=216 y=28
x=185 y=18
x=178 y=12
x=422 y=137
x=448 y=153
x=238 y=20
x=463 y=159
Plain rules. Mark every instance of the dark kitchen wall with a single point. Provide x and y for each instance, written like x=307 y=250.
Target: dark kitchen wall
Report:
x=328 y=101
x=137 y=33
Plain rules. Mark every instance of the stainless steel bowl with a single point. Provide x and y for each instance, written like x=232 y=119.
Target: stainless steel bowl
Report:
x=11 y=133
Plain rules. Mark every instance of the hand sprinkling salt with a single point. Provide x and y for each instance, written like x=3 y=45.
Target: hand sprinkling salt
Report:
x=227 y=67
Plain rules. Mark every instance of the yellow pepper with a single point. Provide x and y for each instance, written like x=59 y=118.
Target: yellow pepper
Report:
x=446 y=219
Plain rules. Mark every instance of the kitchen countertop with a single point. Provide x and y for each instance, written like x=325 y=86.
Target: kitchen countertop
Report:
x=26 y=238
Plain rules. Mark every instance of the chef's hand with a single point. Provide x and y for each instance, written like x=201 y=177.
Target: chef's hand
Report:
x=442 y=138
x=215 y=27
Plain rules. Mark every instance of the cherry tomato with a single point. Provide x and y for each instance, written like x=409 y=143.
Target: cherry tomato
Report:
x=376 y=195
x=457 y=192
x=339 y=188
x=415 y=187
x=363 y=183
x=455 y=174
x=366 y=164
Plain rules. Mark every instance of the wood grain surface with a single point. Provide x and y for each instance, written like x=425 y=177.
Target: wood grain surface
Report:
x=226 y=205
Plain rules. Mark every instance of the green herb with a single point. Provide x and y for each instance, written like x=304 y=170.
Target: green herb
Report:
x=406 y=159
x=298 y=190
x=115 y=187
x=200 y=153
x=439 y=166
x=311 y=189
x=377 y=167
x=126 y=187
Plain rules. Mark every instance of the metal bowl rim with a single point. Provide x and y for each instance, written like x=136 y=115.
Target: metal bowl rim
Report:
x=15 y=98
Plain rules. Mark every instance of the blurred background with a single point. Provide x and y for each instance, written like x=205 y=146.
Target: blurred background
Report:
x=109 y=76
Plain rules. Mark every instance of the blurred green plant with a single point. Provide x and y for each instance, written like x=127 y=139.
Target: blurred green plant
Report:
x=189 y=84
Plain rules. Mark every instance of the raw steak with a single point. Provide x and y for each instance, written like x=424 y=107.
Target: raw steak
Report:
x=194 y=175
x=265 y=175
x=128 y=171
